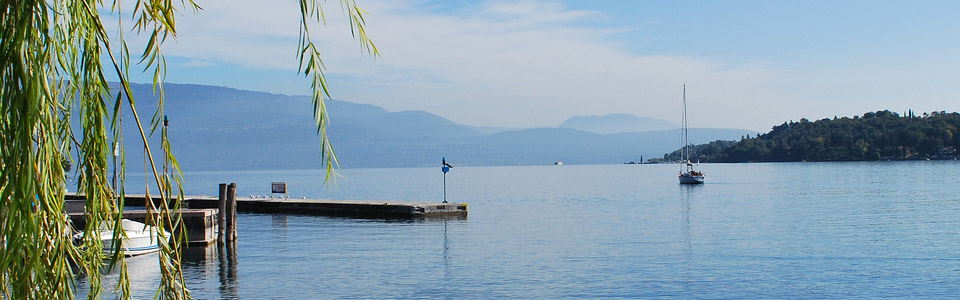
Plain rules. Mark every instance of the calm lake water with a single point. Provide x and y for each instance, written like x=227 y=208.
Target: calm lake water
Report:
x=780 y=230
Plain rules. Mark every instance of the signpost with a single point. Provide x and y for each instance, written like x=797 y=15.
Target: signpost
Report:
x=446 y=168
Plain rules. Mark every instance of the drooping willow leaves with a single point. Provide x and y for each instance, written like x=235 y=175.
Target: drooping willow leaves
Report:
x=311 y=64
x=55 y=60
x=51 y=65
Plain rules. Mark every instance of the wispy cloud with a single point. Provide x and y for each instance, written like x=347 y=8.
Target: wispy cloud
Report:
x=197 y=63
x=251 y=33
x=501 y=63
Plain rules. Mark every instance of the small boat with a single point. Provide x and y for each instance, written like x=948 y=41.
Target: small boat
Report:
x=691 y=176
x=688 y=176
x=141 y=238
x=558 y=163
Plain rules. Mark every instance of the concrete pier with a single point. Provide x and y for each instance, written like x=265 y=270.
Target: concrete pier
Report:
x=348 y=208
x=200 y=213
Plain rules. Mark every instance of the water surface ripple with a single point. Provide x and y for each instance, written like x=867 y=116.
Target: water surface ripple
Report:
x=757 y=231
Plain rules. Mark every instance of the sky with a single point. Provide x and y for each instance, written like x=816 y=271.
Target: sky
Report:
x=746 y=64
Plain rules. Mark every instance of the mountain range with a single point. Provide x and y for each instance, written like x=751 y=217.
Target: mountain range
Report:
x=616 y=123
x=218 y=128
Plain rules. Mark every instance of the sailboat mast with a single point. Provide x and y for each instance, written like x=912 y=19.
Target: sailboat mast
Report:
x=683 y=139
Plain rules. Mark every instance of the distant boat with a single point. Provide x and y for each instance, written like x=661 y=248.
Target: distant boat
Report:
x=688 y=176
x=558 y=163
x=140 y=238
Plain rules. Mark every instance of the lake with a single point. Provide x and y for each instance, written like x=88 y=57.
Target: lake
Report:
x=762 y=230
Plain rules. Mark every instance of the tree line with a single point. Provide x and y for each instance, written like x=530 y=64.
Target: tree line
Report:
x=881 y=135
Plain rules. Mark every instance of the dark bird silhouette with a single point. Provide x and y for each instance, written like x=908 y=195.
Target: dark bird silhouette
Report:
x=445 y=164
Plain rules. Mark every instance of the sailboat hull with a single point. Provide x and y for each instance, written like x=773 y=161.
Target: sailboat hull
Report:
x=691 y=179
x=140 y=238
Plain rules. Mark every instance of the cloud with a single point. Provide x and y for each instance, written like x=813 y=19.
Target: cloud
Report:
x=251 y=33
x=197 y=63
x=497 y=63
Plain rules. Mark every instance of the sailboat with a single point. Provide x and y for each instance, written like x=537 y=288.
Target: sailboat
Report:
x=688 y=176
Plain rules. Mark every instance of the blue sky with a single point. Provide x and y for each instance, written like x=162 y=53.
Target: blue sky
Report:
x=746 y=64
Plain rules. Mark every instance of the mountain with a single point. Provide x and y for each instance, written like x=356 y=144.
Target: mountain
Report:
x=218 y=128
x=616 y=123
x=485 y=130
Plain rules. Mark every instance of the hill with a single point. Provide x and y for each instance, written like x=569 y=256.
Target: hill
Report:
x=874 y=136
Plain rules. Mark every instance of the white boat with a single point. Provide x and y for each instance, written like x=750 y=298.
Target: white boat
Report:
x=688 y=175
x=140 y=238
x=691 y=176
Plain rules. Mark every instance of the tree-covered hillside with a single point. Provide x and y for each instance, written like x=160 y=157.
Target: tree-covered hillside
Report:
x=873 y=136
x=702 y=151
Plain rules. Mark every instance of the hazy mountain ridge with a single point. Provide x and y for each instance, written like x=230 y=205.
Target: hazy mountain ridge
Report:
x=617 y=123
x=218 y=128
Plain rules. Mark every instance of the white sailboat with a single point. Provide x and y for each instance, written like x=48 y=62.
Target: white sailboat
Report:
x=688 y=176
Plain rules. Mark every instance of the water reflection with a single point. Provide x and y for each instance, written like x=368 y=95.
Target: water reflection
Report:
x=687 y=196
x=228 y=270
x=279 y=221
x=211 y=261
x=435 y=218
x=279 y=226
x=446 y=253
x=143 y=271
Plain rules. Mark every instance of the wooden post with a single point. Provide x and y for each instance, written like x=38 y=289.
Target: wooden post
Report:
x=222 y=213
x=231 y=233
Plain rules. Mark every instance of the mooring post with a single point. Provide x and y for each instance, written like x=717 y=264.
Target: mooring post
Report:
x=231 y=233
x=222 y=213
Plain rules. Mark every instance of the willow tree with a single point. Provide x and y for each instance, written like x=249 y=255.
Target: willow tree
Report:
x=55 y=60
